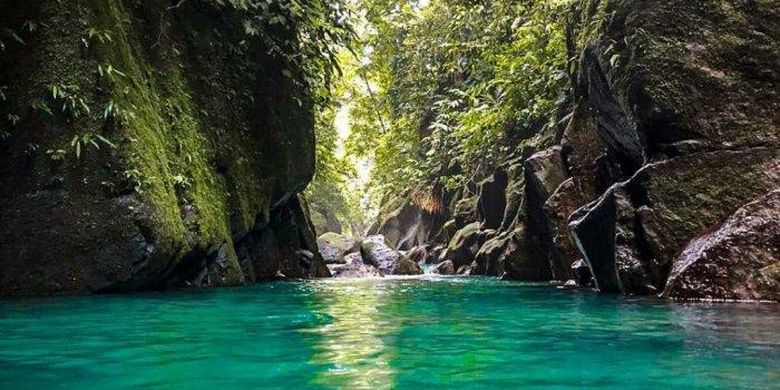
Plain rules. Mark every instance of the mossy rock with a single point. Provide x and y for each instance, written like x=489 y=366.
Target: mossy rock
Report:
x=209 y=138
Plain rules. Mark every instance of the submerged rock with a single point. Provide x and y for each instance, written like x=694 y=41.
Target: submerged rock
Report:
x=740 y=260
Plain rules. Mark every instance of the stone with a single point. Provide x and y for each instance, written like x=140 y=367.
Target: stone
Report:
x=354 y=267
x=490 y=256
x=335 y=246
x=631 y=236
x=406 y=266
x=738 y=260
x=377 y=252
x=445 y=268
x=464 y=245
x=568 y=198
x=581 y=273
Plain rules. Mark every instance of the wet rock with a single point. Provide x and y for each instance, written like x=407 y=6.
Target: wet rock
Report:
x=567 y=199
x=334 y=247
x=515 y=195
x=581 y=273
x=377 y=252
x=544 y=173
x=568 y=285
x=490 y=256
x=405 y=266
x=466 y=211
x=523 y=259
x=694 y=83
x=633 y=234
x=737 y=261
x=463 y=247
x=416 y=220
x=445 y=268
x=354 y=267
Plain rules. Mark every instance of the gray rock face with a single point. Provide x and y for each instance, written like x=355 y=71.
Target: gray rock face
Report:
x=492 y=200
x=633 y=234
x=740 y=260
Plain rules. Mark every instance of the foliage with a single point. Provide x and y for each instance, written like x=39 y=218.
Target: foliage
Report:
x=455 y=81
x=308 y=33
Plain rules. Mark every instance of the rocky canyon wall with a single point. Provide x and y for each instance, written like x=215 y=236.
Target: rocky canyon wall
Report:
x=667 y=152
x=147 y=145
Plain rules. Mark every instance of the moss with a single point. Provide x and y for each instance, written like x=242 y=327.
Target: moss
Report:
x=163 y=142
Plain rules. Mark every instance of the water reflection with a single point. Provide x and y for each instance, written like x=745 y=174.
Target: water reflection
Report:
x=352 y=346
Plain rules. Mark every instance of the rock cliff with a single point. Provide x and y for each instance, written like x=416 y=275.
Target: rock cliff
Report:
x=668 y=146
x=147 y=145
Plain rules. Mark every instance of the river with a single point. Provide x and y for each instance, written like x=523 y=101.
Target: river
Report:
x=424 y=332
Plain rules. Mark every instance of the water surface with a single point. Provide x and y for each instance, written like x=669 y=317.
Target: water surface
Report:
x=431 y=332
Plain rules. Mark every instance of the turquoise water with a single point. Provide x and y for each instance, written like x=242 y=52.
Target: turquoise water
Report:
x=434 y=332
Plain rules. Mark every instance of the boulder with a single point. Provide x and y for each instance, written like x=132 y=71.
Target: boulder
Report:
x=335 y=246
x=419 y=254
x=464 y=245
x=490 y=256
x=406 y=266
x=739 y=260
x=354 y=267
x=631 y=236
x=445 y=268
x=581 y=273
x=377 y=252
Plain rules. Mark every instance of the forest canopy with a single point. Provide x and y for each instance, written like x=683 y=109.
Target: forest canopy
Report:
x=436 y=92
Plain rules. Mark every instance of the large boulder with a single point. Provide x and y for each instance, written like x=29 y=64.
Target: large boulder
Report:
x=406 y=266
x=633 y=234
x=445 y=268
x=354 y=267
x=740 y=260
x=335 y=246
x=377 y=252
x=464 y=245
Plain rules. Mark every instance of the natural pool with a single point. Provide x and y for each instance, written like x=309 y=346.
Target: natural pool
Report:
x=429 y=332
